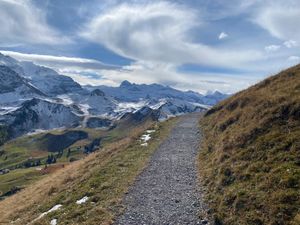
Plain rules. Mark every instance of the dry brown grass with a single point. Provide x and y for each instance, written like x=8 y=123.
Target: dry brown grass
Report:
x=250 y=156
x=65 y=178
x=104 y=176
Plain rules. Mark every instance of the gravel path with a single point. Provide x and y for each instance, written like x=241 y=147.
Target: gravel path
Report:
x=165 y=192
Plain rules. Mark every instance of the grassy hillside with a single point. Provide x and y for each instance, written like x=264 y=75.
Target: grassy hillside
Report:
x=27 y=156
x=104 y=176
x=250 y=156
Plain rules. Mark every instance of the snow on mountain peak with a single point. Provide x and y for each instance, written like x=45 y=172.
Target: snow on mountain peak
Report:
x=35 y=97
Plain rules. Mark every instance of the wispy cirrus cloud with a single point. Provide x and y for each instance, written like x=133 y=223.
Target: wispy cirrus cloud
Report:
x=22 y=23
x=164 y=41
x=60 y=61
x=159 y=32
x=279 y=18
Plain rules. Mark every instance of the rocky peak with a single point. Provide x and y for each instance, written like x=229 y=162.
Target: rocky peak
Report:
x=97 y=92
x=125 y=84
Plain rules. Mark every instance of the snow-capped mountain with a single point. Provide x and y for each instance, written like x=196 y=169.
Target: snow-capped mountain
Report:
x=45 y=79
x=130 y=92
x=34 y=97
x=14 y=88
x=176 y=107
x=98 y=103
x=38 y=114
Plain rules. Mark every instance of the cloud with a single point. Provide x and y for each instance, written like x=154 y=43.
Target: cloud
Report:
x=294 y=58
x=272 y=48
x=290 y=43
x=22 y=22
x=160 y=37
x=62 y=63
x=139 y=72
x=279 y=18
x=159 y=32
x=222 y=35
x=167 y=74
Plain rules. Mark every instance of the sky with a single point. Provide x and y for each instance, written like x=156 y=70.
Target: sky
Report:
x=200 y=45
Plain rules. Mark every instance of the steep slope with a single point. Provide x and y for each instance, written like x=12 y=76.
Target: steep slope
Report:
x=39 y=114
x=45 y=79
x=175 y=107
x=137 y=117
x=250 y=156
x=48 y=80
x=98 y=103
x=14 y=88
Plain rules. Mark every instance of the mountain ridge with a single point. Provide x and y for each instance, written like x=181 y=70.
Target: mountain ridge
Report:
x=101 y=103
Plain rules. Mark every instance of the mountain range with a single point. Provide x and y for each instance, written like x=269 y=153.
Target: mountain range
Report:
x=34 y=98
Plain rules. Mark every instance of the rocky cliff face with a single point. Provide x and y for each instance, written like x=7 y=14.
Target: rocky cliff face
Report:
x=14 y=88
x=39 y=114
x=45 y=79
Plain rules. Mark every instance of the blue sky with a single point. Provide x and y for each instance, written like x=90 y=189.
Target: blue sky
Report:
x=196 y=45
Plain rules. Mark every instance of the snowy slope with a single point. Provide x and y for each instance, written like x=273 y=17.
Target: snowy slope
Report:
x=129 y=92
x=34 y=97
x=98 y=103
x=45 y=79
x=14 y=88
x=39 y=114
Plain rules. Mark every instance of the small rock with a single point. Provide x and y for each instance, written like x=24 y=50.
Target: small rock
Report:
x=204 y=222
x=196 y=204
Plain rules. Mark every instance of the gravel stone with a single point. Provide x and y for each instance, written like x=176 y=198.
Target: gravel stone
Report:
x=166 y=192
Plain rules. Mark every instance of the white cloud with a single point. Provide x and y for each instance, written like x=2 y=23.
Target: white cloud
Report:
x=61 y=62
x=290 y=43
x=279 y=18
x=160 y=36
x=22 y=22
x=159 y=32
x=272 y=48
x=223 y=35
x=294 y=58
x=145 y=72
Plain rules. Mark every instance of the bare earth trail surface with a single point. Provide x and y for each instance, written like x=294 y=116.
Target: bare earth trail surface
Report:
x=166 y=192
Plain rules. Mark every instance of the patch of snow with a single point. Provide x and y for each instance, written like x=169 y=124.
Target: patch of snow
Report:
x=8 y=109
x=144 y=144
x=54 y=208
x=37 y=131
x=66 y=100
x=83 y=200
x=130 y=105
x=159 y=104
x=84 y=108
x=150 y=131
x=53 y=222
x=201 y=105
x=145 y=137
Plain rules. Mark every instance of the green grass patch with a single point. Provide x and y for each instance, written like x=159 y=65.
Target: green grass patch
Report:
x=18 y=179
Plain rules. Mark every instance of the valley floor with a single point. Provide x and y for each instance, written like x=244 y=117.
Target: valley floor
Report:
x=166 y=191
